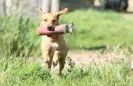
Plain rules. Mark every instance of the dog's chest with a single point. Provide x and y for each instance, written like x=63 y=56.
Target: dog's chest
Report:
x=50 y=43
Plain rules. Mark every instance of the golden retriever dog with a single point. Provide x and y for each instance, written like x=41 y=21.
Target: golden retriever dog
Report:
x=53 y=47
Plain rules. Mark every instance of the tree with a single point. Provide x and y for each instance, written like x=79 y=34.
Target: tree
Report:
x=46 y=5
x=55 y=5
x=50 y=5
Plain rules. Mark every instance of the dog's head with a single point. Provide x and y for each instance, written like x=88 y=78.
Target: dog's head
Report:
x=50 y=20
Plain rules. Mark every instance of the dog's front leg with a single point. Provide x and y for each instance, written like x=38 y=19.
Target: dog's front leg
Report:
x=46 y=59
x=59 y=57
x=56 y=58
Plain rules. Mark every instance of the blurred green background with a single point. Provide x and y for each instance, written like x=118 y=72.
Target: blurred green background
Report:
x=93 y=29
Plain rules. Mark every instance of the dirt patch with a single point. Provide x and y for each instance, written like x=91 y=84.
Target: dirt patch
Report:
x=128 y=16
x=82 y=59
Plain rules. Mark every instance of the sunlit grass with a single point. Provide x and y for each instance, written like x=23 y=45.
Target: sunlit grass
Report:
x=97 y=28
x=16 y=71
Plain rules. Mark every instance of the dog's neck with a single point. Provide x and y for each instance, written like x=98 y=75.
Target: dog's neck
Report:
x=52 y=38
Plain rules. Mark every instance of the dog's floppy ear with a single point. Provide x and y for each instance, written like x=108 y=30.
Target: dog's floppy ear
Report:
x=63 y=11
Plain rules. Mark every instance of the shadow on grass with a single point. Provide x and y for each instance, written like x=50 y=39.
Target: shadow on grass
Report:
x=129 y=12
x=103 y=47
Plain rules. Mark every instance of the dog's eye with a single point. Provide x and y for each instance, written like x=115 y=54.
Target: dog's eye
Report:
x=45 y=19
x=53 y=20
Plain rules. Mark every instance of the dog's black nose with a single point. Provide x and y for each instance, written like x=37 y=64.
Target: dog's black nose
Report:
x=51 y=28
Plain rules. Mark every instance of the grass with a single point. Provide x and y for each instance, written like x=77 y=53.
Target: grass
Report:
x=18 y=72
x=18 y=35
x=18 y=40
x=92 y=29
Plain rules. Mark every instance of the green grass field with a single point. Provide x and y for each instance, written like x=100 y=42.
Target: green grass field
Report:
x=18 y=40
x=17 y=72
x=94 y=28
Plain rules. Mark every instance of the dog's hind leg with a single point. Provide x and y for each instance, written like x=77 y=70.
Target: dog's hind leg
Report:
x=62 y=61
x=61 y=65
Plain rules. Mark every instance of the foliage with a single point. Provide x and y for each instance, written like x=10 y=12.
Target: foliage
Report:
x=17 y=35
x=15 y=71
x=92 y=29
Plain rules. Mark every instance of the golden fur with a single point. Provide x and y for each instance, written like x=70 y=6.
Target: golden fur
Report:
x=54 y=49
